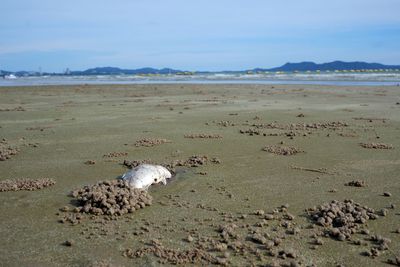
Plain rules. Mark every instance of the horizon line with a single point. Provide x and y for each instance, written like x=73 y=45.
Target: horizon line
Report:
x=187 y=70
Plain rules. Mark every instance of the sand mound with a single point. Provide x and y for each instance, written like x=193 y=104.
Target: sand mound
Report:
x=282 y=150
x=195 y=161
x=356 y=183
x=341 y=219
x=115 y=154
x=225 y=123
x=203 y=136
x=103 y=263
x=250 y=237
x=6 y=151
x=111 y=198
x=134 y=163
x=149 y=142
x=302 y=126
x=173 y=256
x=25 y=184
x=19 y=108
x=376 y=145
x=192 y=161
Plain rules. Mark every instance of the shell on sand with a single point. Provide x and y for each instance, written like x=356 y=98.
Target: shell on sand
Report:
x=145 y=175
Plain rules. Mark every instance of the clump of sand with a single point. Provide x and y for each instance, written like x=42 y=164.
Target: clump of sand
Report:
x=110 y=198
x=103 y=263
x=115 y=154
x=341 y=219
x=250 y=132
x=356 y=183
x=25 y=184
x=195 y=161
x=282 y=150
x=149 y=142
x=225 y=123
x=173 y=256
x=192 y=161
x=250 y=236
x=333 y=125
x=19 y=108
x=134 y=163
x=7 y=151
x=376 y=145
x=203 y=136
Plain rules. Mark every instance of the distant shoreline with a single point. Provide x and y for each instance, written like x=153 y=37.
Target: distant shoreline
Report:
x=127 y=80
x=305 y=67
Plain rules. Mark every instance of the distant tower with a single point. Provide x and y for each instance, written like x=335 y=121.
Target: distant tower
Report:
x=67 y=71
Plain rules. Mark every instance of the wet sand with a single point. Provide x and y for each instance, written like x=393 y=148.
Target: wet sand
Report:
x=57 y=129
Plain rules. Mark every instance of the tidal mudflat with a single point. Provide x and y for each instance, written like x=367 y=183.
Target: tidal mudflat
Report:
x=282 y=175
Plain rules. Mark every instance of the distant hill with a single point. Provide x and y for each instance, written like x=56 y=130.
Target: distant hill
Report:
x=4 y=72
x=118 y=71
x=288 y=67
x=331 y=66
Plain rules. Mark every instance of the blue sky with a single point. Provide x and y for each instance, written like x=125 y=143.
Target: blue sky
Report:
x=195 y=35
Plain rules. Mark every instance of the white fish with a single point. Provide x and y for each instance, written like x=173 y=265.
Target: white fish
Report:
x=145 y=175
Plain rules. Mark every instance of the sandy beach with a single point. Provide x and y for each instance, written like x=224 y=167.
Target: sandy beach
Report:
x=266 y=153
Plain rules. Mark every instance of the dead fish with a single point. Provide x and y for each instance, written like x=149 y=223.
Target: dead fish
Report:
x=144 y=175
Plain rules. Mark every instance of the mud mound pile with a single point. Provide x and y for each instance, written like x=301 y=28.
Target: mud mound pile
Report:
x=110 y=198
x=225 y=123
x=173 y=256
x=115 y=154
x=192 y=161
x=203 y=136
x=195 y=161
x=282 y=150
x=356 y=183
x=6 y=151
x=134 y=163
x=376 y=145
x=149 y=142
x=341 y=219
x=19 y=108
x=25 y=184
x=333 y=125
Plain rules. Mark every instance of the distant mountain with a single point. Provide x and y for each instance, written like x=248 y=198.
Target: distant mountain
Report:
x=4 y=72
x=288 y=67
x=118 y=71
x=331 y=66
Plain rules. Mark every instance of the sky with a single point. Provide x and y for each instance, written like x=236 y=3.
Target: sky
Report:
x=53 y=35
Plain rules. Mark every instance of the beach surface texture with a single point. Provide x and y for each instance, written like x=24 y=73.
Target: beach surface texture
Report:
x=302 y=175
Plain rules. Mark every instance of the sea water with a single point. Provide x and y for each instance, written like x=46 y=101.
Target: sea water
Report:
x=343 y=79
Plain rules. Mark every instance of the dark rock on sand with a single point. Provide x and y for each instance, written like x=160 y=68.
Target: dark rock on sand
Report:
x=69 y=243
